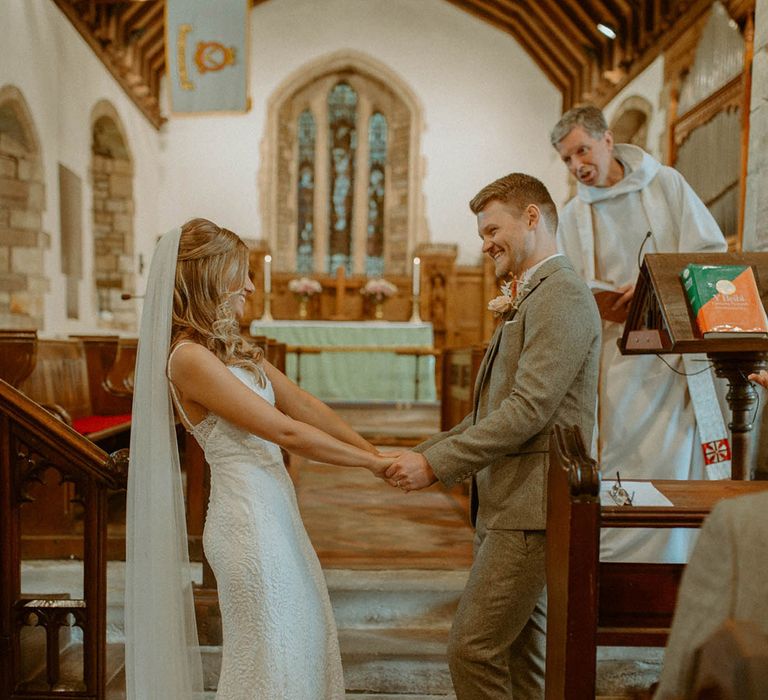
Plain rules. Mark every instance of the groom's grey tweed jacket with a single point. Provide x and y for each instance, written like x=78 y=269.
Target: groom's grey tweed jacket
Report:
x=540 y=369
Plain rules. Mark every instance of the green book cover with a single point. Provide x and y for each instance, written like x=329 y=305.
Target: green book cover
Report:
x=725 y=300
x=700 y=281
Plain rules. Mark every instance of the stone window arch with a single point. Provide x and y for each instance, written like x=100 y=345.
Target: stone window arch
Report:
x=113 y=243
x=341 y=182
x=23 y=282
x=630 y=123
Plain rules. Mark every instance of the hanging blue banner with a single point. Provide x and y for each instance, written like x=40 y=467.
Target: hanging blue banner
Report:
x=206 y=52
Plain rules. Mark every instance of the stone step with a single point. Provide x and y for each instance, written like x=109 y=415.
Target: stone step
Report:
x=395 y=661
x=394 y=598
x=386 y=660
x=71 y=668
x=360 y=598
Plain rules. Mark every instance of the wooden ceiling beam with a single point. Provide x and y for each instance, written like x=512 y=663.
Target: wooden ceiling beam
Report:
x=560 y=36
x=553 y=37
x=539 y=37
x=567 y=41
x=484 y=10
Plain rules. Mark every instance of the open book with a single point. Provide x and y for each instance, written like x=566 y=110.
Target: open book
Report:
x=606 y=295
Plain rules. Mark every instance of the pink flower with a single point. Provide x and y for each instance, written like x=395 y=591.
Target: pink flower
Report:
x=507 y=301
x=379 y=289
x=500 y=305
x=305 y=287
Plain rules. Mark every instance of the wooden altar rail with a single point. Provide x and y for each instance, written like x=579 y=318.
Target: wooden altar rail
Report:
x=593 y=603
x=409 y=350
x=34 y=446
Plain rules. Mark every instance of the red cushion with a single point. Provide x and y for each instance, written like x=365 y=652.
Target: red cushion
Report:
x=93 y=424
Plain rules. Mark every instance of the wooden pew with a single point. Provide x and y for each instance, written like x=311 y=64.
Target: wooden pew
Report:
x=18 y=353
x=111 y=363
x=64 y=377
x=119 y=379
x=34 y=444
x=457 y=379
x=60 y=381
x=593 y=603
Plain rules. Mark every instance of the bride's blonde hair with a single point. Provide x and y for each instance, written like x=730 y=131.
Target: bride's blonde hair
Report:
x=211 y=268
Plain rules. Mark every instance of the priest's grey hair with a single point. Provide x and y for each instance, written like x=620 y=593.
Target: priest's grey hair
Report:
x=589 y=117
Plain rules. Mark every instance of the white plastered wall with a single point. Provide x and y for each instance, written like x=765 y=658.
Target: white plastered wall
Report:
x=61 y=79
x=486 y=107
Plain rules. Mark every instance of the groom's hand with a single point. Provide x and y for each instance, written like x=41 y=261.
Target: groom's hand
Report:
x=410 y=472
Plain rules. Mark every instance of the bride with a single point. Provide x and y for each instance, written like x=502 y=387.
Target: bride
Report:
x=279 y=636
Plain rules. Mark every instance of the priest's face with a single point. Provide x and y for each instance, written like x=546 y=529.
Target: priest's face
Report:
x=588 y=159
x=508 y=238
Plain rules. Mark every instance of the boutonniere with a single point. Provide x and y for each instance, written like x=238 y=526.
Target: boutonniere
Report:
x=511 y=295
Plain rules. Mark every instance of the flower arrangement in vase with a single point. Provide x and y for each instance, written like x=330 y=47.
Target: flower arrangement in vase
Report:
x=378 y=290
x=304 y=288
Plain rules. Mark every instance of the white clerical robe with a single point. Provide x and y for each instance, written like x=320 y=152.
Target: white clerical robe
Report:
x=646 y=424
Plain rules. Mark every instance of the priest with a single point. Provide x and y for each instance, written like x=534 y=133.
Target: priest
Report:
x=657 y=418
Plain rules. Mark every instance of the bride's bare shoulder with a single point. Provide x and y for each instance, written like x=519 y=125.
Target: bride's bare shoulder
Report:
x=188 y=357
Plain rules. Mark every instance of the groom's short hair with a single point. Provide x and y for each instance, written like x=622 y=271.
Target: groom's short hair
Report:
x=518 y=190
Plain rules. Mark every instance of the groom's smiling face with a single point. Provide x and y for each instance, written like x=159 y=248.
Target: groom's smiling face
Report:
x=507 y=237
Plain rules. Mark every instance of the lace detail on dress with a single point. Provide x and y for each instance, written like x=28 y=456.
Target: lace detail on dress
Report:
x=279 y=635
x=202 y=430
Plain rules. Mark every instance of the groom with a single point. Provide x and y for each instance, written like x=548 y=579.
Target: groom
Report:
x=540 y=369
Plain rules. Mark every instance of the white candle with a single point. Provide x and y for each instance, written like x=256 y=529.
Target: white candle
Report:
x=267 y=274
x=416 y=276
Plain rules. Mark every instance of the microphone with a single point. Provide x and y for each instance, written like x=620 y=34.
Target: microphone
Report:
x=640 y=252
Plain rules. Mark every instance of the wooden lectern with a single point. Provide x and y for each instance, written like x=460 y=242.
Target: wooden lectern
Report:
x=661 y=321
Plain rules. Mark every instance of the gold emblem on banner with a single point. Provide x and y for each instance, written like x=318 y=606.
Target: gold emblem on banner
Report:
x=213 y=56
x=181 y=56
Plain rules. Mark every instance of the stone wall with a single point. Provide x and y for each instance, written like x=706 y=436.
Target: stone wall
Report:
x=113 y=244
x=22 y=201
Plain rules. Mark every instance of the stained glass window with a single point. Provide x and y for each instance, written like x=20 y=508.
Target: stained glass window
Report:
x=342 y=108
x=374 y=247
x=305 y=240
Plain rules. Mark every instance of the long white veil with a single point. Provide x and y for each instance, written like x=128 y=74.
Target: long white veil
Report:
x=162 y=656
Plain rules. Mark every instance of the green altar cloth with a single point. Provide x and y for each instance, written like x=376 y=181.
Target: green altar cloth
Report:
x=357 y=376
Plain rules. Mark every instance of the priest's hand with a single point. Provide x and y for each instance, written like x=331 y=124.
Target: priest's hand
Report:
x=761 y=378
x=623 y=302
x=410 y=472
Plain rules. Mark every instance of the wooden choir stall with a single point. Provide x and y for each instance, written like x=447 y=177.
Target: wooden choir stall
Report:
x=593 y=603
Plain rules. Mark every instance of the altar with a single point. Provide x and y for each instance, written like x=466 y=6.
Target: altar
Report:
x=332 y=359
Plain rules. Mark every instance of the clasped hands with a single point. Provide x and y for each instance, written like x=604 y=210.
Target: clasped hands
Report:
x=409 y=472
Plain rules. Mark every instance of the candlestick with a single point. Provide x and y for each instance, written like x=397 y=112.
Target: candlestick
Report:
x=267 y=315
x=416 y=277
x=415 y=315
x=267 y=274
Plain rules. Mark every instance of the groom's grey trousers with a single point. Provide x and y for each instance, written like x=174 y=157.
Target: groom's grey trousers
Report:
x=497 y=644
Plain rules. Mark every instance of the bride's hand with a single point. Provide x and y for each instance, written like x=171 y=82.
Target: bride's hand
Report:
x=391 y=453
x=380 y=463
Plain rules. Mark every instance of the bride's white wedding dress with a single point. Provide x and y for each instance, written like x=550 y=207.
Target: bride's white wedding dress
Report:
x=279 y=634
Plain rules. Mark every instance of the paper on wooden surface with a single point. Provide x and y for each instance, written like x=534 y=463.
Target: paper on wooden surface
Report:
x=643 y=493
